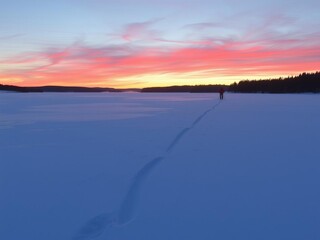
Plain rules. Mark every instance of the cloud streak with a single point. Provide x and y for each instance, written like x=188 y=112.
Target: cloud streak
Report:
x=139 y=31
x=9 y=37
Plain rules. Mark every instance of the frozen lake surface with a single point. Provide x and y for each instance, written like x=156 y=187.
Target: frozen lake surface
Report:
x=78 y=166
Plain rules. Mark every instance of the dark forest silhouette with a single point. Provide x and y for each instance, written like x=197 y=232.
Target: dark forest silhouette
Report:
x=55 y=89
x=191 y=89
x=305 y=82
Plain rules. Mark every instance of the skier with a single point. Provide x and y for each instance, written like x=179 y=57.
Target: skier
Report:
x=221 y=91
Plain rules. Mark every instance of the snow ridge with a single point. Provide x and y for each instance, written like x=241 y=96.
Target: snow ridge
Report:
x=127 y=211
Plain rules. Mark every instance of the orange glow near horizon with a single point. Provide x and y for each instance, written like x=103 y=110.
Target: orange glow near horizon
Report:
x=122 y=68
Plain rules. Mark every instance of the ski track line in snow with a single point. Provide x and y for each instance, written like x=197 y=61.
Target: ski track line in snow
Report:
x=186 y=130
x=96 y=226
x=127 y=211
x=176 y=139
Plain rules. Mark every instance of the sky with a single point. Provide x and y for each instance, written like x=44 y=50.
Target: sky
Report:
x=143 y=43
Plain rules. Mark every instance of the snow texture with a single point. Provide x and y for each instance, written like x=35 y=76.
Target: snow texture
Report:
x=159 y=166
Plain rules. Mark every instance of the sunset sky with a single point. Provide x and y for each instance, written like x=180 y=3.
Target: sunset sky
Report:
x=139 y=43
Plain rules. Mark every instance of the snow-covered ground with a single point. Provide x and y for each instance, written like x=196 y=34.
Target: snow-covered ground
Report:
x=159 y=166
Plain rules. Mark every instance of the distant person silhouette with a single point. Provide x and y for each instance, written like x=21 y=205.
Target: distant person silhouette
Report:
x=221 y=92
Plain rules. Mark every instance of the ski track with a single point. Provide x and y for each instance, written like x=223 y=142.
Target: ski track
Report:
x=127 y=211
x=177 y=139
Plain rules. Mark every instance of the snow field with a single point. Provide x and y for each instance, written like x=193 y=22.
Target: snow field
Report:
x=159 y=166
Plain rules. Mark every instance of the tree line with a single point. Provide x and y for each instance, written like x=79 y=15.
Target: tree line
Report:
x=13 y=88
x=305 y=82
x=187 y=88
